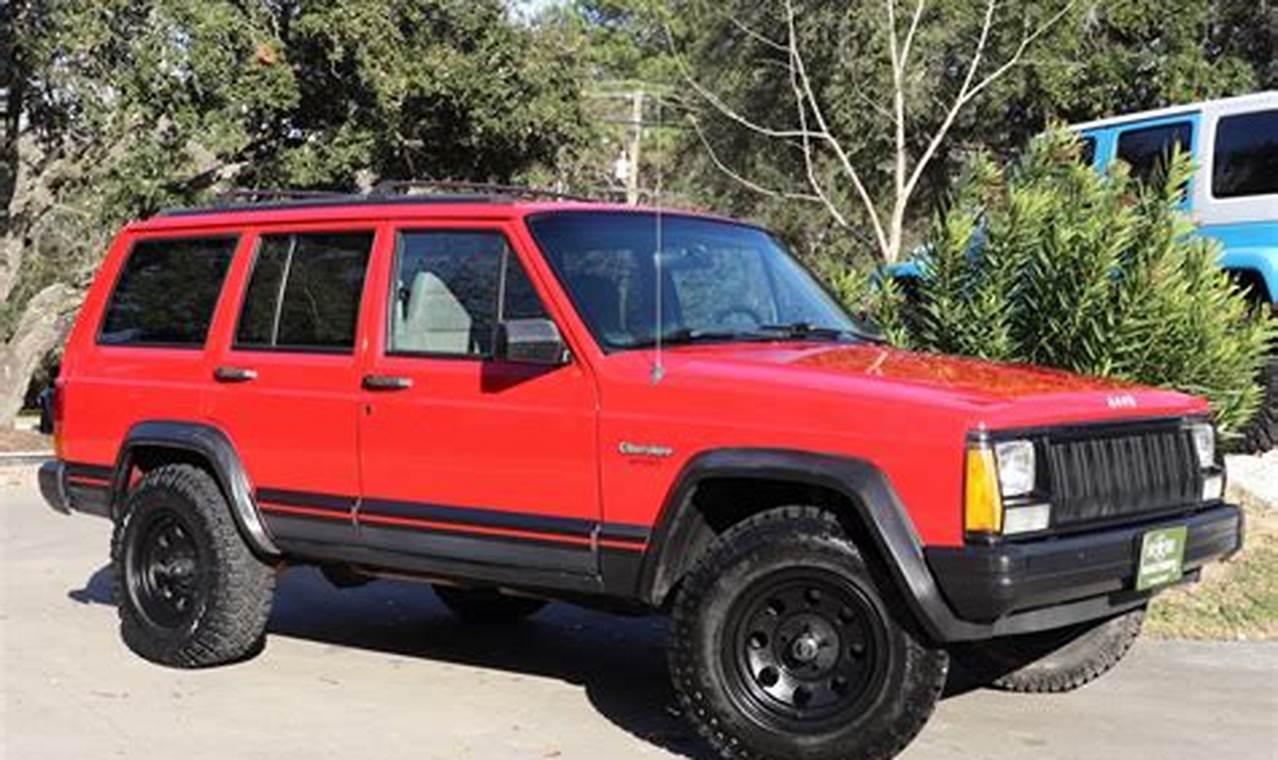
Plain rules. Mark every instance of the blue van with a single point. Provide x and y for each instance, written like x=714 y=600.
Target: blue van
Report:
x=1234 y=194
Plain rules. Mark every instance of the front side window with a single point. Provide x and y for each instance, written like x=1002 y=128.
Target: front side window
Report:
x=166 y=293
x=452 y=288
x=1246 y=158
x=1147 y=150
x=718 y=280
x=305 y=292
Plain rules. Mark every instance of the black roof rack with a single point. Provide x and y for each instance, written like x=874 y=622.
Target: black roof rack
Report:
x=406 y=186
x=389 y=191
x=263 y=194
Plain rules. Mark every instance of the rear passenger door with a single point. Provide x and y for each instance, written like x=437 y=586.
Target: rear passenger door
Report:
x=464 y=457
x=287 y=378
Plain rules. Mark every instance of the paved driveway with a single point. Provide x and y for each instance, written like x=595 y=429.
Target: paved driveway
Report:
x=383 y=672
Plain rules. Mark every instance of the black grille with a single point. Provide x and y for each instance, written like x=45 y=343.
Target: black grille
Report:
x=1117 y=473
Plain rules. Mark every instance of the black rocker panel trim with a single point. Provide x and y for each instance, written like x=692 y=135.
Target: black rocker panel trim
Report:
x=441 y=533
x=286 y=526
x=484 y=518
x=342 y=504
x=489 y=562
x=480 y=548
x=623 y=532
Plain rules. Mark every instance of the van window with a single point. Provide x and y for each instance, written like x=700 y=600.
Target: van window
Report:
x=1087 y=156
x=1246 y=159
x=305 y=292
x=451 y=288
x=166 y=293
x=1148 y=149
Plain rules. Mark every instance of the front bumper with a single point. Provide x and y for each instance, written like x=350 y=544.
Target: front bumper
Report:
x=68 y=490
x=1015 y=587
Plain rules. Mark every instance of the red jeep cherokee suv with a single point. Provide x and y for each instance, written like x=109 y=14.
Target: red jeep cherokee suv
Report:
x=520 y=401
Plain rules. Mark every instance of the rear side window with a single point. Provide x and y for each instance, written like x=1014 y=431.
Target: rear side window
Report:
x=1246 y=159
x=166 y=293
x=1148 y=150
x=305 y=292
x=1087 y=156
x=451 y=290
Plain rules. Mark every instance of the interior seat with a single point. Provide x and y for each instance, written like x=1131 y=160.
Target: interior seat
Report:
x=435 y=321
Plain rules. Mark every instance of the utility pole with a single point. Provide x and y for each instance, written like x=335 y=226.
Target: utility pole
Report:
x=636 y=140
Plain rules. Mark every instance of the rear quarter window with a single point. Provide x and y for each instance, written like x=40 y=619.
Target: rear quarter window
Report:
x=1246 y=155
x=166 y=292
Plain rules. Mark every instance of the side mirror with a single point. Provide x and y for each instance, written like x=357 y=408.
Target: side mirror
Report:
x=530 y=341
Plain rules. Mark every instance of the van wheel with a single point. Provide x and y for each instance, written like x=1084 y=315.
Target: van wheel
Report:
x=785 y=645
x=1053 y=661
x=1261 y=434
x=190 y=592
x=486 y=606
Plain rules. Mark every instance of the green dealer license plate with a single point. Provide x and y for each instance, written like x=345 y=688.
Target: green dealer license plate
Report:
x=1162 y=556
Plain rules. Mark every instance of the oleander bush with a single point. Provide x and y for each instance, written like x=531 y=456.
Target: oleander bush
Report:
x=1047 y=261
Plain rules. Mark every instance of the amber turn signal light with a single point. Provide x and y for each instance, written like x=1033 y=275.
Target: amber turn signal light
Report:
x=982 y=503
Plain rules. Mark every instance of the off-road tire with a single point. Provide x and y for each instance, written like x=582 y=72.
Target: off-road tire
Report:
x=232 y=588
x=753 y=560
x=1055 y=661
x=487 y=606
x=1261 y=434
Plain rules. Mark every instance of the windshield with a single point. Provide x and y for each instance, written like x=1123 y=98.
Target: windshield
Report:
x=719 y=280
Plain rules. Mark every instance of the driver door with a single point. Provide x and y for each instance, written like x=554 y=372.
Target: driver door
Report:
x=464 y=457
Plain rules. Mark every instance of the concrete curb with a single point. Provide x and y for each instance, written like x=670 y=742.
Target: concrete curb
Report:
x=24 y=458
x=1253 y=481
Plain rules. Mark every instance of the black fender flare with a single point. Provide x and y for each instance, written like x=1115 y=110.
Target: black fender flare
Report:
x=216 y=448
x=860 y=482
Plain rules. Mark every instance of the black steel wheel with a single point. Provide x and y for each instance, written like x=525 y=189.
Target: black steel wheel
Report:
x=807 y=647
x=166 y=572
x=787 y=643
x=191 y=593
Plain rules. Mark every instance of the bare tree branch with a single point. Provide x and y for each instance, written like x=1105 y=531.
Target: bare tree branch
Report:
x=824 y=132
x=909 y=35
x=800 y=104
x=757 y=36
x=814 y=135
x=969 y=91
x=748 y=184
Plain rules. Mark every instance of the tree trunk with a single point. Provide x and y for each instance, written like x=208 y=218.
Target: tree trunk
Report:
x=44 y=325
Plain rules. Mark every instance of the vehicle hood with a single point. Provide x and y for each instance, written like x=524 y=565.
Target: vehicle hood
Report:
x=1006 y=392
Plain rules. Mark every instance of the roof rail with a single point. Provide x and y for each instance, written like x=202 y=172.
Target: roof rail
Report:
x=265 y=194
x=406 y=186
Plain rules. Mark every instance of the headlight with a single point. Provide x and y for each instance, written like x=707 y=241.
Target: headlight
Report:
x=1015 y=467
x=1204 y=443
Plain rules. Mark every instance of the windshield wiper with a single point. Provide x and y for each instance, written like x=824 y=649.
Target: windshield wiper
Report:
x=683 y=336
x=807 y=330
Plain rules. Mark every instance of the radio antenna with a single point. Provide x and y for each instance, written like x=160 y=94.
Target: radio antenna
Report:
x=658 y=368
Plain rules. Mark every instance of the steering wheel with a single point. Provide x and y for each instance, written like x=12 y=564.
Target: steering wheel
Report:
x=724 y=315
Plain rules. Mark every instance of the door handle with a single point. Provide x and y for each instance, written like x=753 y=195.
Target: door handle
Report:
x=234 y=374
x=387 y=383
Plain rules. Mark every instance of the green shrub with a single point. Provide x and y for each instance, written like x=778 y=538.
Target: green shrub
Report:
x=1048 y=262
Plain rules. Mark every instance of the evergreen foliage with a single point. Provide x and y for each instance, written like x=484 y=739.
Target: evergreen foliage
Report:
x=1048 y=262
